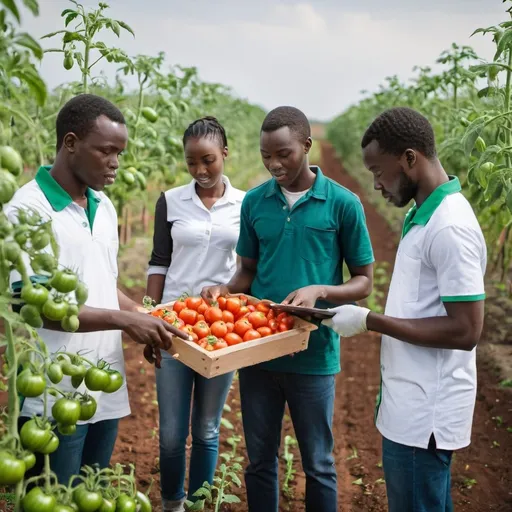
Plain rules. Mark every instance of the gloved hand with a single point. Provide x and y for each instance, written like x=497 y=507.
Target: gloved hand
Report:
x=348 y=321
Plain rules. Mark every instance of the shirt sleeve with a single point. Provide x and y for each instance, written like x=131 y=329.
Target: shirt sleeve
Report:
x=458 y=255
x=162 y=240
x=248 y=243
x=354 y=237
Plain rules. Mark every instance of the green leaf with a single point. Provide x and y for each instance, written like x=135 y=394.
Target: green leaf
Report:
x=126 y=27
x=12 y=8
x=34 y=82
x=359 y=481
x=72 y=36
x=32 y=6
x=227 y=408
x=472 y=133
x=507 y=383
x=489 y=154
x=230 y=498
x=235 y=478
x=66 y=11
x=70 y=17
x=202 y=492
x=226 y=423
x=494 y=188
x=198 y=505
x=51 y=34
x=29 y=42
x=505 y=42
x=116 y=28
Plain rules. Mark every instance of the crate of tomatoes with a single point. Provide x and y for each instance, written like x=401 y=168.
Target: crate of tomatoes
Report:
x=235 y=332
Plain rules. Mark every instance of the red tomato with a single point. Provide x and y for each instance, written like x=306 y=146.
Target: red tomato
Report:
x=233 y=305
x=195 y=337
x=263 y=307
x=193 y=302
x=258 y=319
x=271 y=315
x=282 y=327
x=220 y=344
x=179 y=305
x=189 y=316
x=233 y=339
x=244 y=300
x=219 y=329
x=200 y=318
x=227 y=316
x=242 y=326
x=251 y=308
x=230 y=326
x=265 y=331
x=221 y=301
x=213 y=314
x=251 y=334
x=243 y=311
x=159 y=313
x=202 y=308
x=201 y=329
x=273 y=325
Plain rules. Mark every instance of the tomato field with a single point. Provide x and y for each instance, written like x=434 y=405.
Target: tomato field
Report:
x=469 y=104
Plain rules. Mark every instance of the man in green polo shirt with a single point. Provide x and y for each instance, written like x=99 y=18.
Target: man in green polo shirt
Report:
x=295 y=232
x=433 y=319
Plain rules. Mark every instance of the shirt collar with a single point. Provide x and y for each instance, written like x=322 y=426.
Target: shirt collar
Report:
x=189 y=191
x=56 y=195
x=318 y=190
x=420 y=216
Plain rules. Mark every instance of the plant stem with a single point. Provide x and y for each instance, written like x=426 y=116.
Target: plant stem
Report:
x=220 y=495
x=507 y=103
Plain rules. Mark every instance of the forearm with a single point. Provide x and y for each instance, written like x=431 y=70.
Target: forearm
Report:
x=155 y=287
x=127 y=304
x=242 y=280
x=436 y=332
x=356 y=288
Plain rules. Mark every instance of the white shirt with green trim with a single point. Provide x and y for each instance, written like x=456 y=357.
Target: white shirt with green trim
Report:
x=93 y=254
x=441 y=258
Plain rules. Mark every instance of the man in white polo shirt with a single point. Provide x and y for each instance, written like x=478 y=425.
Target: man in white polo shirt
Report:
x=433 y=318
x=91 y=134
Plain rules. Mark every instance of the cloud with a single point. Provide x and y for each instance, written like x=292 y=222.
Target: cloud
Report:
x=314 y=55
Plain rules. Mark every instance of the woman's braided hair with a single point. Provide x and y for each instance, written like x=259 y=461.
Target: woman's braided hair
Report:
x=207 y=126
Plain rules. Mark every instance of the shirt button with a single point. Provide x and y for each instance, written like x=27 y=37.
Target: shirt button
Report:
x=84 y=224
x=284 y=207
x=288 y=219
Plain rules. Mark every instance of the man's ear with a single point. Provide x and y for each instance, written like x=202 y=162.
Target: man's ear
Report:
x=307 y=145
x=70 y=141
x=408 y=161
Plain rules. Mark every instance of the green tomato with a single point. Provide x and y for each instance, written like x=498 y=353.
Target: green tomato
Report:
x=88 y=408
x=11 y=160
x=487 y=167
x=22 y=234
x=66 y=430
x=51 y=445
x=480 y=144
x=6 y=226
x=8 y=186
x=464 y=122
x=128 y=177
x=36 y=500
x=76 y=381
x=70 y=323
x=73 y=368
x=29 y=459
x=87 y=501
x=68 y=61
x=12 y=251
x=12 y=469
x=66 y=411
x=81 y=293
x=96 y=379
x=55 y=309
x=72 y=310
x=40 y=239
x=30 y=384
x=55 y=373
x=115 y=382
x=33 y=437
x=143 y=501
x=126 y=504
x=44 y=261
x=108 y=505
x=149 y=114
x=64 y=281
x=35 y=294
x=60 y=507
x=31 y=316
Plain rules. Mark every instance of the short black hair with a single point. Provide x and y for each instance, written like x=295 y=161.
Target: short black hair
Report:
x=292 y=117
x=79 y=113
x=209 y=127
x=401 y=128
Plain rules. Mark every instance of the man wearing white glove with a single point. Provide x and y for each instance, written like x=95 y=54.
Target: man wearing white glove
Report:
x=433 y=318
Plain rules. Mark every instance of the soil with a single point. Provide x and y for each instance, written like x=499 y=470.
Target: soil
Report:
x=482 y=473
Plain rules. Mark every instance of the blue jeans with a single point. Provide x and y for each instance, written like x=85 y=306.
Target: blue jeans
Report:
x=92 y=443
x=174 y=384
x=417 y=479
x=310 y=400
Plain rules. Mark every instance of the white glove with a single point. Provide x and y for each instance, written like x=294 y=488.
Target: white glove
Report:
x=348 y=321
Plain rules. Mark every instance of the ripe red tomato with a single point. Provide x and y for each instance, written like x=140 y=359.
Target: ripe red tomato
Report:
x=258 y=319
x=265 y=331
x=251 y=334
x=221 y=301
x=244 y=300
x=243 y=311
x=251 y=308
x=193 y=302
x=230 y=326
x=263 y=307
x=189 y=316
x=179 y=305
x=233 y=305
x=201 y=329
x=202 y=308
x=200 y=318
x=233 y=339
x=227 y=316
x=220 y=344
x=273 y=324
x=242 y=326
x=219 y=329
x=282 y=327
x=271 y=314
x=213 y=314
x=287 y=319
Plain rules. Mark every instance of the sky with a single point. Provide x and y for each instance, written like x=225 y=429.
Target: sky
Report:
x=316 y=56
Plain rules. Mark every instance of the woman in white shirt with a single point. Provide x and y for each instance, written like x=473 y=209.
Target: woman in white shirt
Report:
x=195 y=235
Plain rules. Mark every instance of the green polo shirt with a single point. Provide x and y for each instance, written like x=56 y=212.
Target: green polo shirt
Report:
x=302 y=246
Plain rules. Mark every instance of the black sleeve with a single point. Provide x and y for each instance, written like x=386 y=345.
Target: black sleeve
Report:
x=162 y=240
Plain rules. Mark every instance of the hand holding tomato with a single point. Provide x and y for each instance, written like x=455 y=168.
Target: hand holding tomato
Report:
x=305 y=297
x=212 y=293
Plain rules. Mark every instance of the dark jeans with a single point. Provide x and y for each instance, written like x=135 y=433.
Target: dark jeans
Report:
x=417 y=480
x=310 y=400
x=176 y=384
x=91 y=444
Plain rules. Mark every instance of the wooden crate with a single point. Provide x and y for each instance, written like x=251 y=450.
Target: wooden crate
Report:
x=218 y=362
